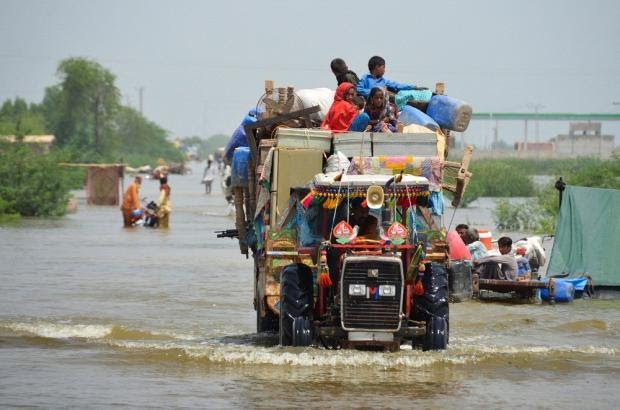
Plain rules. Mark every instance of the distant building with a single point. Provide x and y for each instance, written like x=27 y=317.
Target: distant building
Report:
x=535 y=149
x=584 y=139
x=42 y=143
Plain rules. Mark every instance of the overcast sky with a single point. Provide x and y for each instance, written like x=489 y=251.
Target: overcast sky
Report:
x=202 y=64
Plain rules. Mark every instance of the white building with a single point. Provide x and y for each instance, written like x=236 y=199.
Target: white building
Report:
x=584 y=140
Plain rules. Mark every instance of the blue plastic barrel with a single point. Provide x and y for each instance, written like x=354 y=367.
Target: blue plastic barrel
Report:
x=449 y=113
x=564 y=292
x=579 y=284
x=239 y=169
x=411 y=115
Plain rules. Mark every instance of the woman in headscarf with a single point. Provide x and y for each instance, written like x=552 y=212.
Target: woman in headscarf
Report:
x=343 y=111
x=378 y=116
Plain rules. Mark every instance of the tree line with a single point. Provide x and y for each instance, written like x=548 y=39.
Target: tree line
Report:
x=84 y=113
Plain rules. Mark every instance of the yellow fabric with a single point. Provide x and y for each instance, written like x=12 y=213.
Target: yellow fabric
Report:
x=164 y=201
x=164 y=209
x=441 y=145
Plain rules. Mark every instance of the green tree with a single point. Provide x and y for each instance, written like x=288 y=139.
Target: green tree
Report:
x=143 y=140
x=86 y=101
x=208 y=146
x=17 y=118
x=498 y=178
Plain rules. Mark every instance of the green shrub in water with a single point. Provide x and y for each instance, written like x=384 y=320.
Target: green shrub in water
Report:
x=31 y=184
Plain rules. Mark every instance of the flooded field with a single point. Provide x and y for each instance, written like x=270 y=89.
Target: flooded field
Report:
x=96 y=316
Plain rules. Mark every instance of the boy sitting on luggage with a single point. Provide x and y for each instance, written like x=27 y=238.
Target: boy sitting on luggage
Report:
x=376 y=68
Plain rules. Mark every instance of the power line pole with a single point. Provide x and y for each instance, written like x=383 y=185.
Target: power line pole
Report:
x=536 y=108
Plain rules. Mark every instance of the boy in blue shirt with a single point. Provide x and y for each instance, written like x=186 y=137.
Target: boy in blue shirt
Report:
x=376 y=66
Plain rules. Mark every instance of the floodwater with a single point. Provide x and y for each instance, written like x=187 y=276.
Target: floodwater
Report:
x=96 y=316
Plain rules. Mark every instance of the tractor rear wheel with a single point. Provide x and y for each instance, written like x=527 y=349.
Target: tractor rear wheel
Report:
x=436 y=337
x=433 y=308
x=296 y=305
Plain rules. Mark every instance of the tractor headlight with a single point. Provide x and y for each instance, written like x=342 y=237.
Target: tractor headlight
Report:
x=357 y=290
x=387 y=290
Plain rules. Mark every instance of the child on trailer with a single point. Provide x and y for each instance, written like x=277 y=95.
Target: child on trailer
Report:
x=379 y=115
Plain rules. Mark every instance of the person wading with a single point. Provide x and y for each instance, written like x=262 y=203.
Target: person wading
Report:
x=164 y=203
x=131 y=202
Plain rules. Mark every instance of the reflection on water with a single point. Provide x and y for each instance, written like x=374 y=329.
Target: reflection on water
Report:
x=94 y=315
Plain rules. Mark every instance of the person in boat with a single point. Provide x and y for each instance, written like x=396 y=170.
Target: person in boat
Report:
x=131 y=202
x=343 y=111
x=342 y=72
x=472 y=240
x=461 y=229
x=164 y=203
x=502 y=266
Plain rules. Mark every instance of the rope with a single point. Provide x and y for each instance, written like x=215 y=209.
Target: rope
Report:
x=452 y=219
x=331 y=229
x=360 y=160
x=348 y=200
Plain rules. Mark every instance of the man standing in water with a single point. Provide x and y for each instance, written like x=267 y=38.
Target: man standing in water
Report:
x=131 y=202
x=164 y=203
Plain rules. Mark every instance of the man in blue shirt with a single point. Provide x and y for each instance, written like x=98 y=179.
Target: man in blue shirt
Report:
x=376 y=66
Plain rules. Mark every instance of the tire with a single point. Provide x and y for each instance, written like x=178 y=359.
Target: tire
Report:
x=433 y=305
x=436 y=337
x=296 y=305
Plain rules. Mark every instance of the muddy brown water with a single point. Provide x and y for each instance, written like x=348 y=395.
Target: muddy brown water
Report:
x=96 y=316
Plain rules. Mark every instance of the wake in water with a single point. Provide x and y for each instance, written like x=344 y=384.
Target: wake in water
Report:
x=262 y=349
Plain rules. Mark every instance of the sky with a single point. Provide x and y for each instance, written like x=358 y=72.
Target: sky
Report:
x=201 y=65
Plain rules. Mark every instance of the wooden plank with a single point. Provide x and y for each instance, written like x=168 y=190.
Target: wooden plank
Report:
x=506 y=286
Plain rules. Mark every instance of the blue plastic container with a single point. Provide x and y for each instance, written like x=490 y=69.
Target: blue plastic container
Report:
x=579 y=284
x=239 y=169
x=449 y=113
x=411 y=115
x=564 y=292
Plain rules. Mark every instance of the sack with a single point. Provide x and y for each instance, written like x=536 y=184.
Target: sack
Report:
x=337 y=162
x=323 y=97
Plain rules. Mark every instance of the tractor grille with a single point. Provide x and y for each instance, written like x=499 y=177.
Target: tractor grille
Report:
x=368 y=312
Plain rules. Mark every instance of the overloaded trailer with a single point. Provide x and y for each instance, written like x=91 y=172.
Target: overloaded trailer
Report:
x=318 y=280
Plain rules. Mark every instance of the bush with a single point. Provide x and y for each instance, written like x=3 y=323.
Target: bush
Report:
x=498 y=178
x=32 y=184
x=540 y=214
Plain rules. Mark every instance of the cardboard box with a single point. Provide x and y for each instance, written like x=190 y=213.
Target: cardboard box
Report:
x=418 y=144
x=304 y=138
x=353 y=144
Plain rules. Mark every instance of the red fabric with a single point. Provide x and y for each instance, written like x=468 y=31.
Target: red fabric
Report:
x=458 y=249
x=341 y=113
